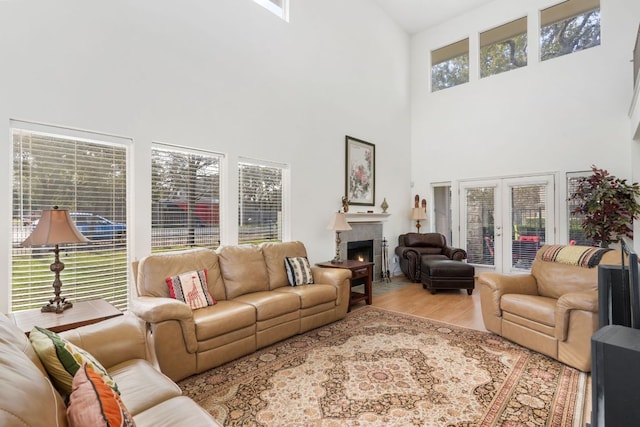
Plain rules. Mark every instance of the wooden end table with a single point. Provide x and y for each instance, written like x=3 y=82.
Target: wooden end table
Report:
x=359 y=269
x=82 y=313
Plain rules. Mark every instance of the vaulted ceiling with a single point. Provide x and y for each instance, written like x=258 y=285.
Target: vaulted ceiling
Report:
x=417 y=15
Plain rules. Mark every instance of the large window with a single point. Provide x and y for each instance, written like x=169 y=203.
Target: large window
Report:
x=450 y=65
x=260 y=201
x=503 y=48
x=86 y=174
x=569 y=27
x=185 y=198
x=577 y=235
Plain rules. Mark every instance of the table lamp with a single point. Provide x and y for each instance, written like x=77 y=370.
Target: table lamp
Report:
x=418 y=214
x=55 y=227
x=338 y=223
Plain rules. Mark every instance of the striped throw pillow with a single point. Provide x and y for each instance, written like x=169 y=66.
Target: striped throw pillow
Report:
x=191 y=288
x=298 y=270
x=93 y=403
x=62 y=359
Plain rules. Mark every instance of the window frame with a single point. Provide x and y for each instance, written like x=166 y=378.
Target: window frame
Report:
x=115 y=250
x=447 y=54
x=221 y=165
x=284 y=221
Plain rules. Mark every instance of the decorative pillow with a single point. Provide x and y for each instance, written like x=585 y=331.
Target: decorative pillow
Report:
x=62 y=359
x=93 y=403
x=191 y=288
x=298 y=270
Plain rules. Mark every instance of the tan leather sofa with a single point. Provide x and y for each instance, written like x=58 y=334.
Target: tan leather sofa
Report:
x=256 y=306
x=553 y=310
x=28 y=398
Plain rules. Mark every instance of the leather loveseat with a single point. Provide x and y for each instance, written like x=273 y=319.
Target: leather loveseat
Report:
x=553 y=310
x=255 y=306
x=412 y=247
x=29 y=399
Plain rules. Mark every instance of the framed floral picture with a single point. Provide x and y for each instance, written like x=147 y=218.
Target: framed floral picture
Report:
x=360 y=183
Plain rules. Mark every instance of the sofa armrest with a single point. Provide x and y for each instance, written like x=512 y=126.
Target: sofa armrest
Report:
x=493 y=286
x=112 y=341
x=586 y=301
x=338 y=277
x=158 y=309
x=455 y=254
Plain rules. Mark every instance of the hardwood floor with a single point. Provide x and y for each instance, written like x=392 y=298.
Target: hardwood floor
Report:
x=449 y=306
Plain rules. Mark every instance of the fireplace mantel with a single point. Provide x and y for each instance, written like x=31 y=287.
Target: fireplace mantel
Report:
x=366 y=217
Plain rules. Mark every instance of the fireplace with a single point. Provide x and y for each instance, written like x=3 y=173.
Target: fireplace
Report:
x=364 y=240
x=361 y=250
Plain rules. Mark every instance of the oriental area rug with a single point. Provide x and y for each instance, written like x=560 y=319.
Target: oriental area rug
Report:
x=381 y=368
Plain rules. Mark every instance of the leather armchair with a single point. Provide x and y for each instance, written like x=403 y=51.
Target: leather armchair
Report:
x=553 y=310
x=412 y=247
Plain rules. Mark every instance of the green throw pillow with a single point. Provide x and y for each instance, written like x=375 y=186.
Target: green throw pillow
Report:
x=62 y=359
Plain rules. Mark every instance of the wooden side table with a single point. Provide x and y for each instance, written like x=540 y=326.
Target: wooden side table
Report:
x=82 y=313
x=359 y=269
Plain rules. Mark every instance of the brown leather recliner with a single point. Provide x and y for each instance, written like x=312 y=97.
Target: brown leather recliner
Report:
x=413 y=246
x=553 y=310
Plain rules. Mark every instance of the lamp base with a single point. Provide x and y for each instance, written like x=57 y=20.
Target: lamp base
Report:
x=56 y=306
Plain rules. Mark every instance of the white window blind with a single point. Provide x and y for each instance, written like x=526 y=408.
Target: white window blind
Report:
x=185 y=198
x=88 y=177
x=260 y=202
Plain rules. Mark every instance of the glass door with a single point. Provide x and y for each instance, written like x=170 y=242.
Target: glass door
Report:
x=505 y=221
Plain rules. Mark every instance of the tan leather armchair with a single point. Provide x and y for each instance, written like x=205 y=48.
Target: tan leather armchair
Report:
x=553 y=310
x=412 y=247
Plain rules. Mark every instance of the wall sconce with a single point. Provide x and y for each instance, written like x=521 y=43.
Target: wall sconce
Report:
x=418 y=214
x=338 y=223
x=55 y=227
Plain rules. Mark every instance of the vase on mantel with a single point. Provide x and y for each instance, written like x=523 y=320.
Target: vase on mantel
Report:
x=384 y=206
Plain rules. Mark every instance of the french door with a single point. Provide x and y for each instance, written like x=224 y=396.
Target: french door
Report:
x=505 y=221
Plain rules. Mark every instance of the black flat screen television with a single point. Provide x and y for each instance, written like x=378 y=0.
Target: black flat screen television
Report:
x=619 y=290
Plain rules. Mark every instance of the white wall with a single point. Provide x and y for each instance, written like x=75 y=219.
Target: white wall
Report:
x=223 y=75
x=560 y=115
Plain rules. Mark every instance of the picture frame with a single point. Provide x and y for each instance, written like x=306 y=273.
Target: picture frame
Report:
x=360 y=172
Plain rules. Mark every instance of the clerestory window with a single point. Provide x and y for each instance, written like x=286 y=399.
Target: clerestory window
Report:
x=569 y=27
x=450 y=65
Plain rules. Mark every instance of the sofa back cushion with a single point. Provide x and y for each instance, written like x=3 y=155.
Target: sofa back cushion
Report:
x=27 y=397
x=243 y=269
x=555 y=279
x=274 y=255
x=153 y=271
x=433 y=240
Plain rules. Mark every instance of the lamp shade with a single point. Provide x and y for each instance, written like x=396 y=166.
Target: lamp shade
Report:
x=54 y=227
x=418 y=214
x=339 y=222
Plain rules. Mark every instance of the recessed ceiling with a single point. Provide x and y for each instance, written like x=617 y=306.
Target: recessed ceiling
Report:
x=417 y=15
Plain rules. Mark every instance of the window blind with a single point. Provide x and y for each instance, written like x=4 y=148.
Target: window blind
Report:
x=260 y=202
x=88 y=177
x=185 y=198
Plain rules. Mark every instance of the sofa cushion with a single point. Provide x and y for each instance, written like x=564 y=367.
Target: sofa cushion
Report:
x=435 y=240
x=93 y=403
x=62 y=359
x=531 y=307
x=178 y=411
x=191 y=288
x=312 y=295
x=142 y=386
x=223 y=318
x=274 y=255
x=270 y=304
x=243 y=270
x=152 y=271
x=298 y=270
